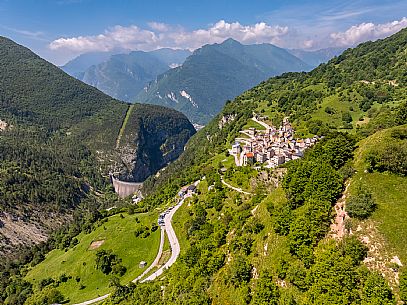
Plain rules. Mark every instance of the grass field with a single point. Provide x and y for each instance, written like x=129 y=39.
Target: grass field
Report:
x=118 y=235
x=225 y=161
x=390 y=193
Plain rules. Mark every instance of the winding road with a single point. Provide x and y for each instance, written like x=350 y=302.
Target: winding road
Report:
x=174 y=243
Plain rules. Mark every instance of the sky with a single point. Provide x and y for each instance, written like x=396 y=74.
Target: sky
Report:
x=59 y=30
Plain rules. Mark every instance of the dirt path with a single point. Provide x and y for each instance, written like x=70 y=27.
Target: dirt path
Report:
x=237 y=189
x=264 y=124
x=338 y=227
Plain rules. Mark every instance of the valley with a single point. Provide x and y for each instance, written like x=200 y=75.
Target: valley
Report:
x=292 y=191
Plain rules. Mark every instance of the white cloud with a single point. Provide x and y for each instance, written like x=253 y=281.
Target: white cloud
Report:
x=159 y=26
x=308 y=44
x=131 y=37
x=160 y=35
x=367 y=31
x=164 y=35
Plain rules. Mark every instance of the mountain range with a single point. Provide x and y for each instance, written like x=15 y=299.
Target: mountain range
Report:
x=197 y=84
x=123 y=76
x=215 y=73
x=316 y=57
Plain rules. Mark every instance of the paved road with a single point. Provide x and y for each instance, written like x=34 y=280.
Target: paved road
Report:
x=174 y=243
x=175 y=250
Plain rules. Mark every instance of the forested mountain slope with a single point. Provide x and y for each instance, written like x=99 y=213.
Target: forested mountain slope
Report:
x=59 y=136
x=216 y=73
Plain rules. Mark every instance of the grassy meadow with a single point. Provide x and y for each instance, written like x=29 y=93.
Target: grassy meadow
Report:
x=78 y=262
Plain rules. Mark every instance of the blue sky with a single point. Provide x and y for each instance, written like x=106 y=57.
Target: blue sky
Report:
x=62 y=29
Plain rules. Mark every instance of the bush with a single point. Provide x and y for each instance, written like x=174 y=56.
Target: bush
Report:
x=361 y=205
x=108 y=262
x=240 y=271
x=346 y=117
x=329 y=110
x=352 y=247
x=142 y=231
x=46 y=296
x=266 y=291
x=403 y=285
x=392 y=158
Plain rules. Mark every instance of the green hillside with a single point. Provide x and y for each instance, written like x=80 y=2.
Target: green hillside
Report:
x=78 y=263
x=244 y=249
x=387 y=182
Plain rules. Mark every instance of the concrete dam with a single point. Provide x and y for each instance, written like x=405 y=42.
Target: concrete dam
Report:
x=124 y=189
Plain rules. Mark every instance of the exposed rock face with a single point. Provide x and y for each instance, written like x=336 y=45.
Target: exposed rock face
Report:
x=151 y=141
x=3 y=125
x=16 y=231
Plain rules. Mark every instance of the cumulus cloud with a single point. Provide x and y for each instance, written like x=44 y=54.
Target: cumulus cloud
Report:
x=160 y=35
x=131 y=37
x=163 y=35
x=159 y=26
x=367 y=31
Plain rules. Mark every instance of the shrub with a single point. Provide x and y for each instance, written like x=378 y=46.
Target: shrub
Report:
x=329 y=110
x=361 y=205
x=266 y=291
x=352 y=247
x=392 y=158
x=403 y=285
x=346 y=117
x=142 y=231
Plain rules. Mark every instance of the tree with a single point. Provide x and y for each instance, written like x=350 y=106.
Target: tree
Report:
x=239 y=271
x=376 y=291
x=353 y=247
x=108 y=262
x=346 y=117
x=332 y=278
x=401 y=116
x=46 y=296
x=329 y=110
x=282 y=217
x=310 y=224
x=266 y=291
x=324 y=183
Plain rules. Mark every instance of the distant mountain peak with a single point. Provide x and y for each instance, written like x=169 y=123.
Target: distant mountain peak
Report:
x=230 y=41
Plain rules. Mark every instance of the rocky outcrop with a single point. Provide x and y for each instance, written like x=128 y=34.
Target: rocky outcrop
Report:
x=151 y=140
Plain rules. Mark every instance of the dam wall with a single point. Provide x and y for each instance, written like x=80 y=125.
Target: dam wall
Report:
x=124 y=189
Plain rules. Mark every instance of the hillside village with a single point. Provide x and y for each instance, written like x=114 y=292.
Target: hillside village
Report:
x=270 y=147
